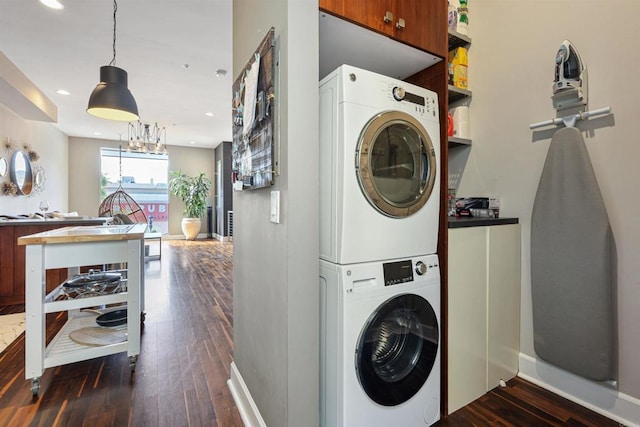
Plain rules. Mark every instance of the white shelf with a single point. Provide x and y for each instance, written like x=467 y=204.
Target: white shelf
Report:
x=71 y=304
x=63 y=350
x=459 y=141
x=456 y=93
x=458 y=40
x=343 y=42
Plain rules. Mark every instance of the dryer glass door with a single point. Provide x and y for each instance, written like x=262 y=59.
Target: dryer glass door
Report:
x=395 y=164
x=397 y=349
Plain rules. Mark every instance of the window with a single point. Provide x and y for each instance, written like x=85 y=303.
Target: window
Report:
x=144 y=177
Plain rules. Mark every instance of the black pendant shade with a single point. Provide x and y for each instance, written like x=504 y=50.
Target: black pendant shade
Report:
x=111 y=99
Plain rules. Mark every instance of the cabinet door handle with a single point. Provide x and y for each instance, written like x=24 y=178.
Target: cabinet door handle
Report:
x=388 y=17
x=400 y=24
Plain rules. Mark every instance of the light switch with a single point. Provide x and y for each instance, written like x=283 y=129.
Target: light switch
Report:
x=275 y=207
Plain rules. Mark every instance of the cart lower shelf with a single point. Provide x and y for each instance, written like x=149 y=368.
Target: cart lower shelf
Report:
x=63 y=350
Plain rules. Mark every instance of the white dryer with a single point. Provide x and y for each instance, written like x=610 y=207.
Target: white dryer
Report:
x=379 y=168
x=380 y=343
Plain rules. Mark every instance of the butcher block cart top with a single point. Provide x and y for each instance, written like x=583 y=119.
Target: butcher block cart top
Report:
x=73 y=248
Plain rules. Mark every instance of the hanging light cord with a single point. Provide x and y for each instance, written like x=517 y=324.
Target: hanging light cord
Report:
x=120 y=162
x=115 y=9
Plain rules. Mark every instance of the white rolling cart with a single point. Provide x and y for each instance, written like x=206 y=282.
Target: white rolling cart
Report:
x=74 y=247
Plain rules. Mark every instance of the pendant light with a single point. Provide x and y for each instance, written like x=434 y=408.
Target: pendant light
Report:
x=111 y=99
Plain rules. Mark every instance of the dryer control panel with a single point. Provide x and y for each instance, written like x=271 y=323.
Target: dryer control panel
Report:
x=416 y=104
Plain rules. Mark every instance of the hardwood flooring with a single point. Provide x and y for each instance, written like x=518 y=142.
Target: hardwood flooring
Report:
x=187 y=348
x=523 y=404
x=181 y=375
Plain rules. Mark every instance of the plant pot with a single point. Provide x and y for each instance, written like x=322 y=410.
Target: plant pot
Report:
x=190 y=227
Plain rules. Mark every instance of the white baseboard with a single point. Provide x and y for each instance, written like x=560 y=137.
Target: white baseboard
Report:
x=181 y=236
x=242 y=397
x=221 y=238
x=604 y=400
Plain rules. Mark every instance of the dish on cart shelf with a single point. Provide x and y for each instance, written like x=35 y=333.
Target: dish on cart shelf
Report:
x=94 y=283
x=97 y=336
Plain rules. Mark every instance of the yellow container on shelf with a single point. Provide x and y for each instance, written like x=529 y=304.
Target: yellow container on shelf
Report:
x=459 y=61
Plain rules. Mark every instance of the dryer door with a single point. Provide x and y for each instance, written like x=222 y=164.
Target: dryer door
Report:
x=395 y=164
x=397 y=349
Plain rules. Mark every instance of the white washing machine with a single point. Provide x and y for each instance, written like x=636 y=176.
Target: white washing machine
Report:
x=380 y=343
x=379 y=168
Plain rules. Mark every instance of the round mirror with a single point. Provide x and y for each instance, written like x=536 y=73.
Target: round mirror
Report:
x=20 y=172
x=3 y=166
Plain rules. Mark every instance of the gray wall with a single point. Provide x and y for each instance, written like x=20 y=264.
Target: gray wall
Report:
x=511 y=65
x=276 y=298
x=84 y=175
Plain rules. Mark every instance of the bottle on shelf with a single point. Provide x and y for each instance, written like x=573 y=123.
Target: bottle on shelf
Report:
x=462 y=26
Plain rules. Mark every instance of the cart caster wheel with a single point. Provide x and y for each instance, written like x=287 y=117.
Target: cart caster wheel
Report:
x=133 y=360
x=35 y=387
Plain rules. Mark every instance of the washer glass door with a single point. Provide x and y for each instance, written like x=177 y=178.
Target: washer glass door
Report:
x=397 y=349
x=395 y=164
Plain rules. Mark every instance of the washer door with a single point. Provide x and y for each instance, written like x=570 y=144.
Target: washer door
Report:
x=395 y=164
x=397 y=349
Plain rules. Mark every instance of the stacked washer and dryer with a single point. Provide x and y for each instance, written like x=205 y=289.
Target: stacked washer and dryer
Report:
x=379 y=271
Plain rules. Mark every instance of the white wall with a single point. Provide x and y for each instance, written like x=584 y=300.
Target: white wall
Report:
x=84 y=175
x=52 y=147
x=511 y=68
x=276 y=297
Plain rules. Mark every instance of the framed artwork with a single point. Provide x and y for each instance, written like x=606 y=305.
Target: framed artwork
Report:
x=253 y=164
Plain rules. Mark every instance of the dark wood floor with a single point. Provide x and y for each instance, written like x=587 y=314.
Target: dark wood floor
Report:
x=180 y=378
x=522 y=404
x=186 y=353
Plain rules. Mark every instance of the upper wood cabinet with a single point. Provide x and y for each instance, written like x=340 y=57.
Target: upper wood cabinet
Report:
x=419 y=23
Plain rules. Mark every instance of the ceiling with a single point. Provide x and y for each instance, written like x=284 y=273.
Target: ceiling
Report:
x=170 y=49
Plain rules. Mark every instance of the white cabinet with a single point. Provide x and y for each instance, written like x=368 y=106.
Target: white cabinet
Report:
x=483 y=310
x=503 y=303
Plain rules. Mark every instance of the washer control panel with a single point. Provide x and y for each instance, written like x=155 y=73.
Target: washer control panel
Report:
x=397 y=272
x=421 y=268
x=402 y=271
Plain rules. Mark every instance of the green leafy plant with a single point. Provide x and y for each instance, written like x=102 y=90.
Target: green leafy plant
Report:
x=103 y=184
x=192 y=190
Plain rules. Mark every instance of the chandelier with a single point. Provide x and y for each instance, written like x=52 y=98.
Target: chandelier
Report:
x=146 y=139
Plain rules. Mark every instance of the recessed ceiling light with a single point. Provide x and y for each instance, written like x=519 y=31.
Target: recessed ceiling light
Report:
x=97 y=133
x=210 y=114
x=62 y=92
x=53 y=4
x=192 y=142
x=221 y=73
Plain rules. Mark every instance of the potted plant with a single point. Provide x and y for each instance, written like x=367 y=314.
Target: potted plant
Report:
x=193 y=191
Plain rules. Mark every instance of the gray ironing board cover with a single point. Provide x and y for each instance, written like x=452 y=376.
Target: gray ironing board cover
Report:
x=571 y=266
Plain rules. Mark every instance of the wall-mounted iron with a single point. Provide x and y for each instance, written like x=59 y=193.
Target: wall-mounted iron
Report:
x=570 y=89
x=570 y=86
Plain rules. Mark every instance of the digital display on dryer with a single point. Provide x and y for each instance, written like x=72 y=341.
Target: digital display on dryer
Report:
x=397 y=272
x=416 y=99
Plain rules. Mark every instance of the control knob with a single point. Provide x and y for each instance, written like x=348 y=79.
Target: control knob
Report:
x=398 y=93
x=421 y=268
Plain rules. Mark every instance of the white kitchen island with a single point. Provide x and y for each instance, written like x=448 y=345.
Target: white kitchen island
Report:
x=73 y=248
